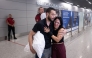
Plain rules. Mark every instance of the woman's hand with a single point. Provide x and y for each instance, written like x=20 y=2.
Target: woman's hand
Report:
x=62 y=31
x=46 y=29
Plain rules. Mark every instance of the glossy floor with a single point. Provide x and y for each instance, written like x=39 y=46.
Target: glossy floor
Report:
x=76 y=47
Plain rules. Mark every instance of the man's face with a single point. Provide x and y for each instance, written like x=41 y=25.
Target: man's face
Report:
x=52 y=15
x=41 y=10
x=10 y=15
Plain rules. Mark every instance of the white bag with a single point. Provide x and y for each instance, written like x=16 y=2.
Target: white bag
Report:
x=43 y=16
x=27 y=48
x=38 y=44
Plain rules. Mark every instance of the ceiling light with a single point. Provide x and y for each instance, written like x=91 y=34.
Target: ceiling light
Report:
x=89 y=2
x=69 y=3
x=84 y=7
x=77 y=5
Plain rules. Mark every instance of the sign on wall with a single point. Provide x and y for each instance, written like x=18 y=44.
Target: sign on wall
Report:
x=67 y=19
x=75 y=20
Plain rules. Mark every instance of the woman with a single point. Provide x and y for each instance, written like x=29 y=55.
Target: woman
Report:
x=58 y=47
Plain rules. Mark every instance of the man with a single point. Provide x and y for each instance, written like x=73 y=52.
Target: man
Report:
x=47 y=22
x=10 y=23
x=38 y=16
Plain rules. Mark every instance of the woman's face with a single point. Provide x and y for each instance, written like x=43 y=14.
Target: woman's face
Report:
x=56 y=23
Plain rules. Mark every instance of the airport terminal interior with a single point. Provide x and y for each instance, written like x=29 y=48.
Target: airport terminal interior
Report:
x=18 y=18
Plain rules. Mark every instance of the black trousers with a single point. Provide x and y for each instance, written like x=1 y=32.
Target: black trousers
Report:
x=10 y=28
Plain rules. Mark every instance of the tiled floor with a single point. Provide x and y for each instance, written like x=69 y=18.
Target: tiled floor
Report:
x=76 y=47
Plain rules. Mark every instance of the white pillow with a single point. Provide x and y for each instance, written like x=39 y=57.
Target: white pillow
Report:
x=38 y=44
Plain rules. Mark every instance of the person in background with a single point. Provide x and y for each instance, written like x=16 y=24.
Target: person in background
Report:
x=10 y=22
x=38 y=16
x=50 y=16
x=58 y=47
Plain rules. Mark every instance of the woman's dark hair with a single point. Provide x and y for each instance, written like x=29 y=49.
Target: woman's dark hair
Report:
x=61 y=22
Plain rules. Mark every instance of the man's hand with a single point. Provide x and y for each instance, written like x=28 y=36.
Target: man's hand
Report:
x=30 y=39
x=9 y=24
x=46 y=29
x=12 y=25
x=32 y=50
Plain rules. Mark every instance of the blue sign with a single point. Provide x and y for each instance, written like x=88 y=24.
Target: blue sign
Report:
x=67 y=19
x=75 y=20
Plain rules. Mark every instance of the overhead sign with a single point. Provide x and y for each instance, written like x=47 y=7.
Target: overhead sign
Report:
x=49 y=4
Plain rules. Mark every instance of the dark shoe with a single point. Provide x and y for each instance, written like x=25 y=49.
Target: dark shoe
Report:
x=5 y=37
x=15 y=38
x=8 y=39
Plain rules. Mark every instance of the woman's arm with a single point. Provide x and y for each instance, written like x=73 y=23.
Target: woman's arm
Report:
x=60 y=35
